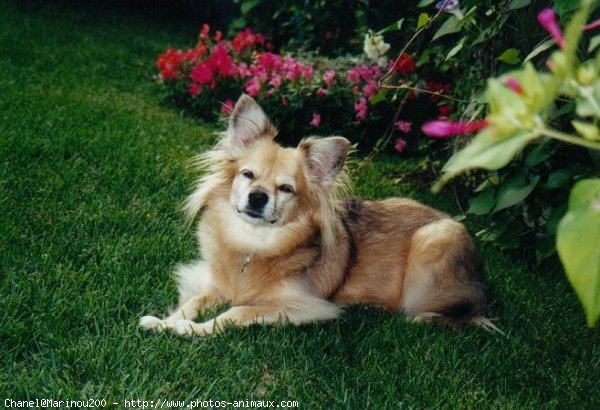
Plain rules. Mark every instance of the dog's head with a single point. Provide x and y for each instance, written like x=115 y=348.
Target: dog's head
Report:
x=266 y=184
x=271 y=183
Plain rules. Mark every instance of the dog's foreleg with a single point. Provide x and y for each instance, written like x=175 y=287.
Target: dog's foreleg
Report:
x=189 y=310
x=242 y=316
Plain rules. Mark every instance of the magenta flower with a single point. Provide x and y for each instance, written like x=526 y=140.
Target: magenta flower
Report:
x=202 y=74
x=275 y=81
x=445 y=129
x=252 y=87
x=361 y=109
x=404 y=126
x=592 y=25
x=227 y=107
x=353 y=75
x=316 y=120
x=328 y=77
x=322 y=92
x=400 y=145
x=370 y=89
x=547 y=18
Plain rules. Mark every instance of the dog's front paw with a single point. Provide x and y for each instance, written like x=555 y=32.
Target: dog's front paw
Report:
x=152 y=323
x=186 y=327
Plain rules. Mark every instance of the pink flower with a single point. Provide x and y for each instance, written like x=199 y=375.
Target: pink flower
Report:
x=361 y=109
x=227 y=107
x=370 y=89
x=404 y=126
x=252 y=87
x=275 y=81
x=547 y=19
x=328 y=77
x=353 y=75
x=307 y=72
x=284 y=101
x=445 y=129
x=400 y=145
x=592 y=25
x=244 y=71
x=316 y=120
x=322 y=92
x=513 y=84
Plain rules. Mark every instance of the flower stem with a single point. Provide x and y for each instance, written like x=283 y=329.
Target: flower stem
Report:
x=569 y=138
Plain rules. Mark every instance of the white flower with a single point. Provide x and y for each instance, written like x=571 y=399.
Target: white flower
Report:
x=375 y=48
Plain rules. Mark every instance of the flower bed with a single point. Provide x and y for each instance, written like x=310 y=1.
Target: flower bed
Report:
x=304 y=95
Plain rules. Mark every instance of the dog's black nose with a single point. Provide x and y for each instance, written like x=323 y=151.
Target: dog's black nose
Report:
x=257 y=200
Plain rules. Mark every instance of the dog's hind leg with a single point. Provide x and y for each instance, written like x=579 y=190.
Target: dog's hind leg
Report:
x=196 y=293
x=443 y=276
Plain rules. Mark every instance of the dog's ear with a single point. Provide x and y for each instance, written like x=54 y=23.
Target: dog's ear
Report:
x=247 y=123
x=325 y=158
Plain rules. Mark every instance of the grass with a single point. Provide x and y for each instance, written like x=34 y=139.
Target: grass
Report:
x=93 y=170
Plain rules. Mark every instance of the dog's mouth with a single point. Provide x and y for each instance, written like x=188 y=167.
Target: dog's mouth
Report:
x=254 y=216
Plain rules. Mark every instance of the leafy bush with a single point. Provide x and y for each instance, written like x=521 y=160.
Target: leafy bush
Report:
x=521 y=104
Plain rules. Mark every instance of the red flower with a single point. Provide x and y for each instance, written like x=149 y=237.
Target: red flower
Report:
x=405 y=64
x=444 y=110
x=445 y=129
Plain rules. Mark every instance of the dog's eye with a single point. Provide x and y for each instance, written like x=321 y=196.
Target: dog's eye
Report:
x=247 y=174
x=288 y=189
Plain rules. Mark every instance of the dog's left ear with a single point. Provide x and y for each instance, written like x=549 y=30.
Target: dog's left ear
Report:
x=325 y=158
x=247 y=124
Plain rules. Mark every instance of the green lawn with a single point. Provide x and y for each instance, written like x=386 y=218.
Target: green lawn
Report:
x=93 y=170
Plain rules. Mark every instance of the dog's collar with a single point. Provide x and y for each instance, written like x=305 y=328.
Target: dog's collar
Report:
x=245 y=263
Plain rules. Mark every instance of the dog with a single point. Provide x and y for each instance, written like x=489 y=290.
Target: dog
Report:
x=278 y=245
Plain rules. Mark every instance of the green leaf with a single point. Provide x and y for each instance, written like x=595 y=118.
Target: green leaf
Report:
x=563 y=7
x=510 y=56
x=518 y=4
x=377 y=98
x=452 y=25
x=540 y=49
x=483 y=203
x=455 y=49
x=488 y=151
x=396 y=26
x=248 y=5
x=423 y=19
x=578 y=244
x=425 y=3
x=537 y=155
x=594 y=43
x=559 y=178
x=514 y=189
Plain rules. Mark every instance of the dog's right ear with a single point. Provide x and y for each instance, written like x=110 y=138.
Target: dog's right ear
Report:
x=247 y=124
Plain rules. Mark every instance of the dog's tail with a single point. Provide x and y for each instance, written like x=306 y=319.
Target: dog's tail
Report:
x=461 y=306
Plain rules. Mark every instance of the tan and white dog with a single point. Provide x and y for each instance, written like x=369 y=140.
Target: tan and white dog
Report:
x=278 y=245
